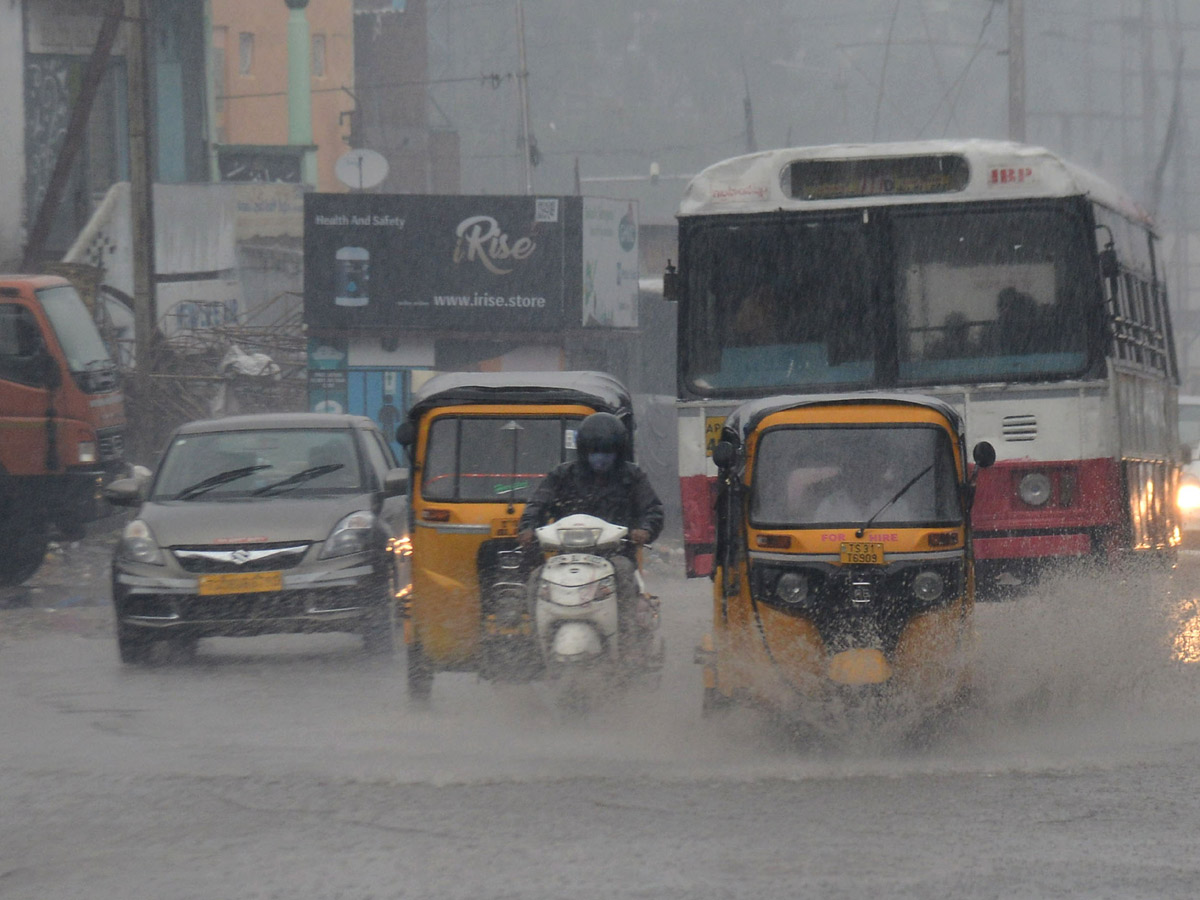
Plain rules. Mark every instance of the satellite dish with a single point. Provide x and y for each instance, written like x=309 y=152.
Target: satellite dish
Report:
x=361 y=168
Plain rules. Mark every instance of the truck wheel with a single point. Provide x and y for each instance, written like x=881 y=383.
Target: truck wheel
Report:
x=133 y=645
x=26 y=550
x=379 y=629
x=420 y=674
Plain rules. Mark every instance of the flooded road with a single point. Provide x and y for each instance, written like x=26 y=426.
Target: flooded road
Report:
x=294 y=766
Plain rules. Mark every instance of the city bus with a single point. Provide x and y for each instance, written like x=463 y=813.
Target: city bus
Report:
x=1019 y=288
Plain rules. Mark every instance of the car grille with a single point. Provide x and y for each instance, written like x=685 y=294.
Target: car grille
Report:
x=251 y=558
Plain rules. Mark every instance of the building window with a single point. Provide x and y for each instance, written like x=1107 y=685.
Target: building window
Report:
x=245 y=52
x=318 y=56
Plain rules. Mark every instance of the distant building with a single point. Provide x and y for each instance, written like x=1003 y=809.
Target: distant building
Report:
x=250 y=87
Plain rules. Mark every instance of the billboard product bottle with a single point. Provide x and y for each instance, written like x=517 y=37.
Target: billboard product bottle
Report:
x=353 y=276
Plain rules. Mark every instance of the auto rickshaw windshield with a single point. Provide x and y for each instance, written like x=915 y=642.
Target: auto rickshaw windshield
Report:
x=821 y=475
x=494 y=458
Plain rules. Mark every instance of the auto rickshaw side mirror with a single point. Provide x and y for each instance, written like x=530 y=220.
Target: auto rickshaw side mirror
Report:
x=406 y=434
x=670 y=283
x=984 y=454
x=724 y=454
x=395 y=482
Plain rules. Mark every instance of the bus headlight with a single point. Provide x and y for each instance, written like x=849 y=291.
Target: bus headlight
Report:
x=791 y=588
x=1188 y=497
x=928 y=586
x=1034 y=489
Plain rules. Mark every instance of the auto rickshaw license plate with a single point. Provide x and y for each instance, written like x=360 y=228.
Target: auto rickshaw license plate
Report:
x=862 y=553
x=241 y=583
x=504 y=527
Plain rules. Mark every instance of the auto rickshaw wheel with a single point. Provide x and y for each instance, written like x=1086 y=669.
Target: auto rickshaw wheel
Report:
x=714 y=703
x=379 y=629
x=420 y=673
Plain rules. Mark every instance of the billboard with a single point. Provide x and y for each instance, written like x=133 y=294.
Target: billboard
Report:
x=447 y=262
x=610 y=263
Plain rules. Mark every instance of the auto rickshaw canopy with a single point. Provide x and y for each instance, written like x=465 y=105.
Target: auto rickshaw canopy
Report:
x=598 y=390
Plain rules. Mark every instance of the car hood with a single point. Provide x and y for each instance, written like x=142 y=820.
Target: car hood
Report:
x=265 y=520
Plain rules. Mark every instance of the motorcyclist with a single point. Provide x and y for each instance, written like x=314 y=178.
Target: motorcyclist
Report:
x=601 y=482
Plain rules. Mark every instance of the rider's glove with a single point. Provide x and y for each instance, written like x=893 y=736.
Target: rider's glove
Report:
x=639 y=535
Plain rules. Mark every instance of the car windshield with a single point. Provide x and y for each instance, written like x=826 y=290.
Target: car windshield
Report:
x=259 y=464
x=494 y=458
x=849 y=475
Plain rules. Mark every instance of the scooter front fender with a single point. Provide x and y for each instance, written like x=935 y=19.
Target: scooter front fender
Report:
x=576 y=641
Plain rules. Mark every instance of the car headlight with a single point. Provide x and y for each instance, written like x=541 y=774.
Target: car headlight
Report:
x=353 y=534
x=138 y=545
x=792 y=587
x=1034 y=489
x=87 y=451
x=928 y=586
x=1188 y=498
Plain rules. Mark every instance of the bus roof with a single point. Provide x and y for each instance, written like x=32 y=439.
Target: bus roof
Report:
x=995 y=170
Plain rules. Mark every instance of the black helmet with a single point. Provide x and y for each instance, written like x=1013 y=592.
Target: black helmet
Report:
x=601 y=433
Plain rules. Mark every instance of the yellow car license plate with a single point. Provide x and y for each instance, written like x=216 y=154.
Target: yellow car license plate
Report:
x=241 y=583
x=862 y=553
x=504 y=527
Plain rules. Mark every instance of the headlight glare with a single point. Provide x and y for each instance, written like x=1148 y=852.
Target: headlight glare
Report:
x=353 y=534
x=1034 y=489
x=1188 y=497
x=138 y=545
x=87 y=451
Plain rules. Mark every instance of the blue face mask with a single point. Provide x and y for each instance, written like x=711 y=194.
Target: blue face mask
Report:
x=601 y=462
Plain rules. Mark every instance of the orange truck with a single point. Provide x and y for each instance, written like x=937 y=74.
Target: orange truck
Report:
x=62 y=419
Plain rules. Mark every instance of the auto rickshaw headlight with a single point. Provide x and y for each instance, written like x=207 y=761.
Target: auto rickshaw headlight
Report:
x=1189 y=496
x=928 y=586
x=1034 y=489
x=791 y=588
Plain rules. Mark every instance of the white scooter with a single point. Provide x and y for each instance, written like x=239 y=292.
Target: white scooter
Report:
x=575 y=612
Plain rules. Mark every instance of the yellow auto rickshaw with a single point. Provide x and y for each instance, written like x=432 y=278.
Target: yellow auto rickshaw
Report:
x=844 y=577
x=478 y=444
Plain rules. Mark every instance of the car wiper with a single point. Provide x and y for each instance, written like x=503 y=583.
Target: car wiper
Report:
x=299 y=478
x=900 y=493
x=213 y=481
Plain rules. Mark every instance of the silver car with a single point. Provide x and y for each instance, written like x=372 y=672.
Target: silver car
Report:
x=257 y=524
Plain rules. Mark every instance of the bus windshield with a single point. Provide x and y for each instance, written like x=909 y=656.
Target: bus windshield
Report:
x=903 y=296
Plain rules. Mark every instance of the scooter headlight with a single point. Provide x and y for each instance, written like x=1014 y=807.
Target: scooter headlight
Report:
x=579 y=537
x=791 y=588
x=928 y=586
x=1034 y=489
x=138 y=545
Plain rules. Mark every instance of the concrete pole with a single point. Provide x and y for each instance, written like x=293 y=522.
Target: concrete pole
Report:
x=523 y=94
x=1016 y=70
x=299 y=93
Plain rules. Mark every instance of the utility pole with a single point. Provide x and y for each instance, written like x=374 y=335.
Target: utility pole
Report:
x=1016 y=70
x=141 y=192
x=523 y=94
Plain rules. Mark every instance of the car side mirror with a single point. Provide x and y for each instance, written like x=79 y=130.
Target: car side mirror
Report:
x=124 y=491
x=984 y=454
x=395 y=482
x=724 y=454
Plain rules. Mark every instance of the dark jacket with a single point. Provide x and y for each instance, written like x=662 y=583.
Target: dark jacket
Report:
x=623 y=498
